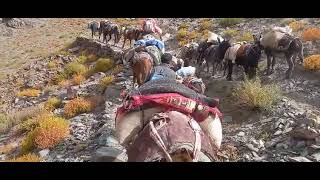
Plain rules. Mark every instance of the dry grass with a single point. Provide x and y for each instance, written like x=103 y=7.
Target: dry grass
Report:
x=74 y=68
x=254 y=95
x=82 y=59
x=103 y=65
x=31 y=43
x=246 y=36
x=78 y=79
x=64 y=83
x=31 y=123
x=311 y=34
x=6 y=149
x=26 y=158
x=46 y=132
x=92 y=58
x=52 y=65
x=13 y=118
x=51 y=132
x=312 y=62
x=77 y=106
x=29 y=93
x=296 y=26
x=230 y=33
x=227 y=22
x=4 y=123
x=116 y=70
x=52 y=104
x=104 y=82
x=206 y=24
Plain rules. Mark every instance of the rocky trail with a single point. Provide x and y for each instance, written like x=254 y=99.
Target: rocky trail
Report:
x=288 y=133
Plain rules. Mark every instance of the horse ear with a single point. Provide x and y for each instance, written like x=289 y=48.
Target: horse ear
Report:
x=219 y=41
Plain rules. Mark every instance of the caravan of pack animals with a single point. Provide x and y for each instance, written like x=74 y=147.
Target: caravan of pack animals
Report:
x=169 y=111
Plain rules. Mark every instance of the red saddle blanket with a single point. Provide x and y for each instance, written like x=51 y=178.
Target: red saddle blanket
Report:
x=171 y=101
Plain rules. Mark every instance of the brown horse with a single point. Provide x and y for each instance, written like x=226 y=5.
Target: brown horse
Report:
x=131 y=33
x=141 y=63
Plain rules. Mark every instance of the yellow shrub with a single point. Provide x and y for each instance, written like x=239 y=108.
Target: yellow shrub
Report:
x=6 y=149
x=225 y=22
x=230 y=32
x=64 y=83
x=77 y=106
x=311 y=34
x=296 y=26
x=52 y=64
x=205 y=24
x=27 y=144
x=33 y=122
x=246 y=36
x=29 y=93
x=181 y=34
x=287 y=21
x=82 y=59
x=183 y=26
x=103 y=65
x=58 y=78
x=312 y=62
x=92 y=58
x=78 y=79
x=192 y=35
x=104 y=82
x=51 y=132
x=4 y=123
x=52 y=103
x=117 y=69
x=26 y=158
x=74 y=68
x=253 y=95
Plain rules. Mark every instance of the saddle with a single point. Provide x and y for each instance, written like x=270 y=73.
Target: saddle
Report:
x=171 y=136
x=242 y=50
x=191 y=83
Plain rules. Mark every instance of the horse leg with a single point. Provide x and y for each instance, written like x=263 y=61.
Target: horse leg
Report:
x=124 y=42
x=268 y=64
x=130 y=42
x=273 y=64
x=291 y=66
x=230 y=67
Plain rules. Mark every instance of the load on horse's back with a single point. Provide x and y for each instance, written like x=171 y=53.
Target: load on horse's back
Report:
x=280 y=41
x=150 y=26
x=163 y=120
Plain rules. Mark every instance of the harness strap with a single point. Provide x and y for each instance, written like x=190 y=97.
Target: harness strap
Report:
x=158 y=140
x=197 y=144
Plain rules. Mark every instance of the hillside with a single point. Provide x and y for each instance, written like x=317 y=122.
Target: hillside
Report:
x=53 y=69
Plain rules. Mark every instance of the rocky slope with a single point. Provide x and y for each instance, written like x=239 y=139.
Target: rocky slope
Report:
x=288 y=133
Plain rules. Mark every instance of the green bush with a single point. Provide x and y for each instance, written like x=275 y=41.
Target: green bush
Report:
x=103 y=65
x=256 y=96
x=74 y=68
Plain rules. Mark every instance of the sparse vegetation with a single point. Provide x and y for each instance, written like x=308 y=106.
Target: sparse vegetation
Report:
x=254 y=95
x=52 y=103
x=64 y=83
x=103 y=65
x=227 y=22
x=296 y=26
x=82 y=59
x=230 y=33
x=91 y=58
x=4 y=123
x=104 y=82
x=46 y=132
x=78 y=79
x=26 y=158
x=312 y=62
x=287 y=21
x=246 y=36
x=77 y=106
x=311 y=34
x=206 y=24
x=52 y=65
x=29 y=93
x=51 y=132
x=74 y=68
x=116 y=70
